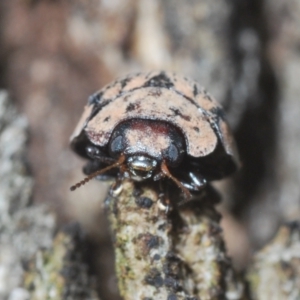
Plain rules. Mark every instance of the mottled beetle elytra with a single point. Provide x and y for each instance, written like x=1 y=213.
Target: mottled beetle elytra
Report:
x=152 y=126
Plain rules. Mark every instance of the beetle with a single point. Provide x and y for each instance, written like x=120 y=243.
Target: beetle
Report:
x=155 y=125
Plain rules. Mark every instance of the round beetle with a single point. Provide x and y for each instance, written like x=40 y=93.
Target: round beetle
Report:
x=155 y=125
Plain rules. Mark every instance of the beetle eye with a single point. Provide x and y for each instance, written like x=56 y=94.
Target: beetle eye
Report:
x=116 y=144
x=172 y=153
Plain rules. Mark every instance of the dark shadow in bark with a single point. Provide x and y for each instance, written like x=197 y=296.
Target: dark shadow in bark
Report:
x=256 y=133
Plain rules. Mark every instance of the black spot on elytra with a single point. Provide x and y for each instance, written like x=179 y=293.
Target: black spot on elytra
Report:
x=196 y=129
x=106 y=119
x=154 y=278
x=156 y=93
x=195 y=90
x=207 y=96
x=95 y=98
x=144 y=202
x=125 y=81
x=97 y=108
x=178 y=113
x=161 y=80
x=131 y=107
x=217 y=111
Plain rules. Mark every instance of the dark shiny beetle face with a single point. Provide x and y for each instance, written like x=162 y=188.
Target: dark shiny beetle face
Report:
x=146 y=144
x=152 y=126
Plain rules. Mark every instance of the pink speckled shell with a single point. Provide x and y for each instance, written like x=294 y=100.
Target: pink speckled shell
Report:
x=185 y=104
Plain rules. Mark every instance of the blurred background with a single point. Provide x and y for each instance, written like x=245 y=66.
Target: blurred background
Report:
x=55 y=53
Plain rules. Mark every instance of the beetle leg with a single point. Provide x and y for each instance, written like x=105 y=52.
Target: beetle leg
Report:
x=163 y=201
x=166 y=172
x=158 y=176
x=117 y=186
x=197 y=182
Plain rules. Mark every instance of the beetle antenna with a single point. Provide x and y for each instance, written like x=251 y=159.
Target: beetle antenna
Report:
x=119 y=162
x=166 y=172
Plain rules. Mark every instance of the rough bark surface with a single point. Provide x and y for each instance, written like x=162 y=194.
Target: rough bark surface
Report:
x=283 y=51
x=23 y=228
x=175 y=255
x=54 y=54
x=275 y=273
x=61 y=271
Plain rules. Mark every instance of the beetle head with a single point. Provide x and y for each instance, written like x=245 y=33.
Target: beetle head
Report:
x=142 y=149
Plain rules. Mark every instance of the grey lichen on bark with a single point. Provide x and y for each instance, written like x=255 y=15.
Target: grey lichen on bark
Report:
x=146 y=267
x=201 y=245
x=23 y=228
x=176 y=255
x=275 y=271
x=61 y=271
x=58 y=268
